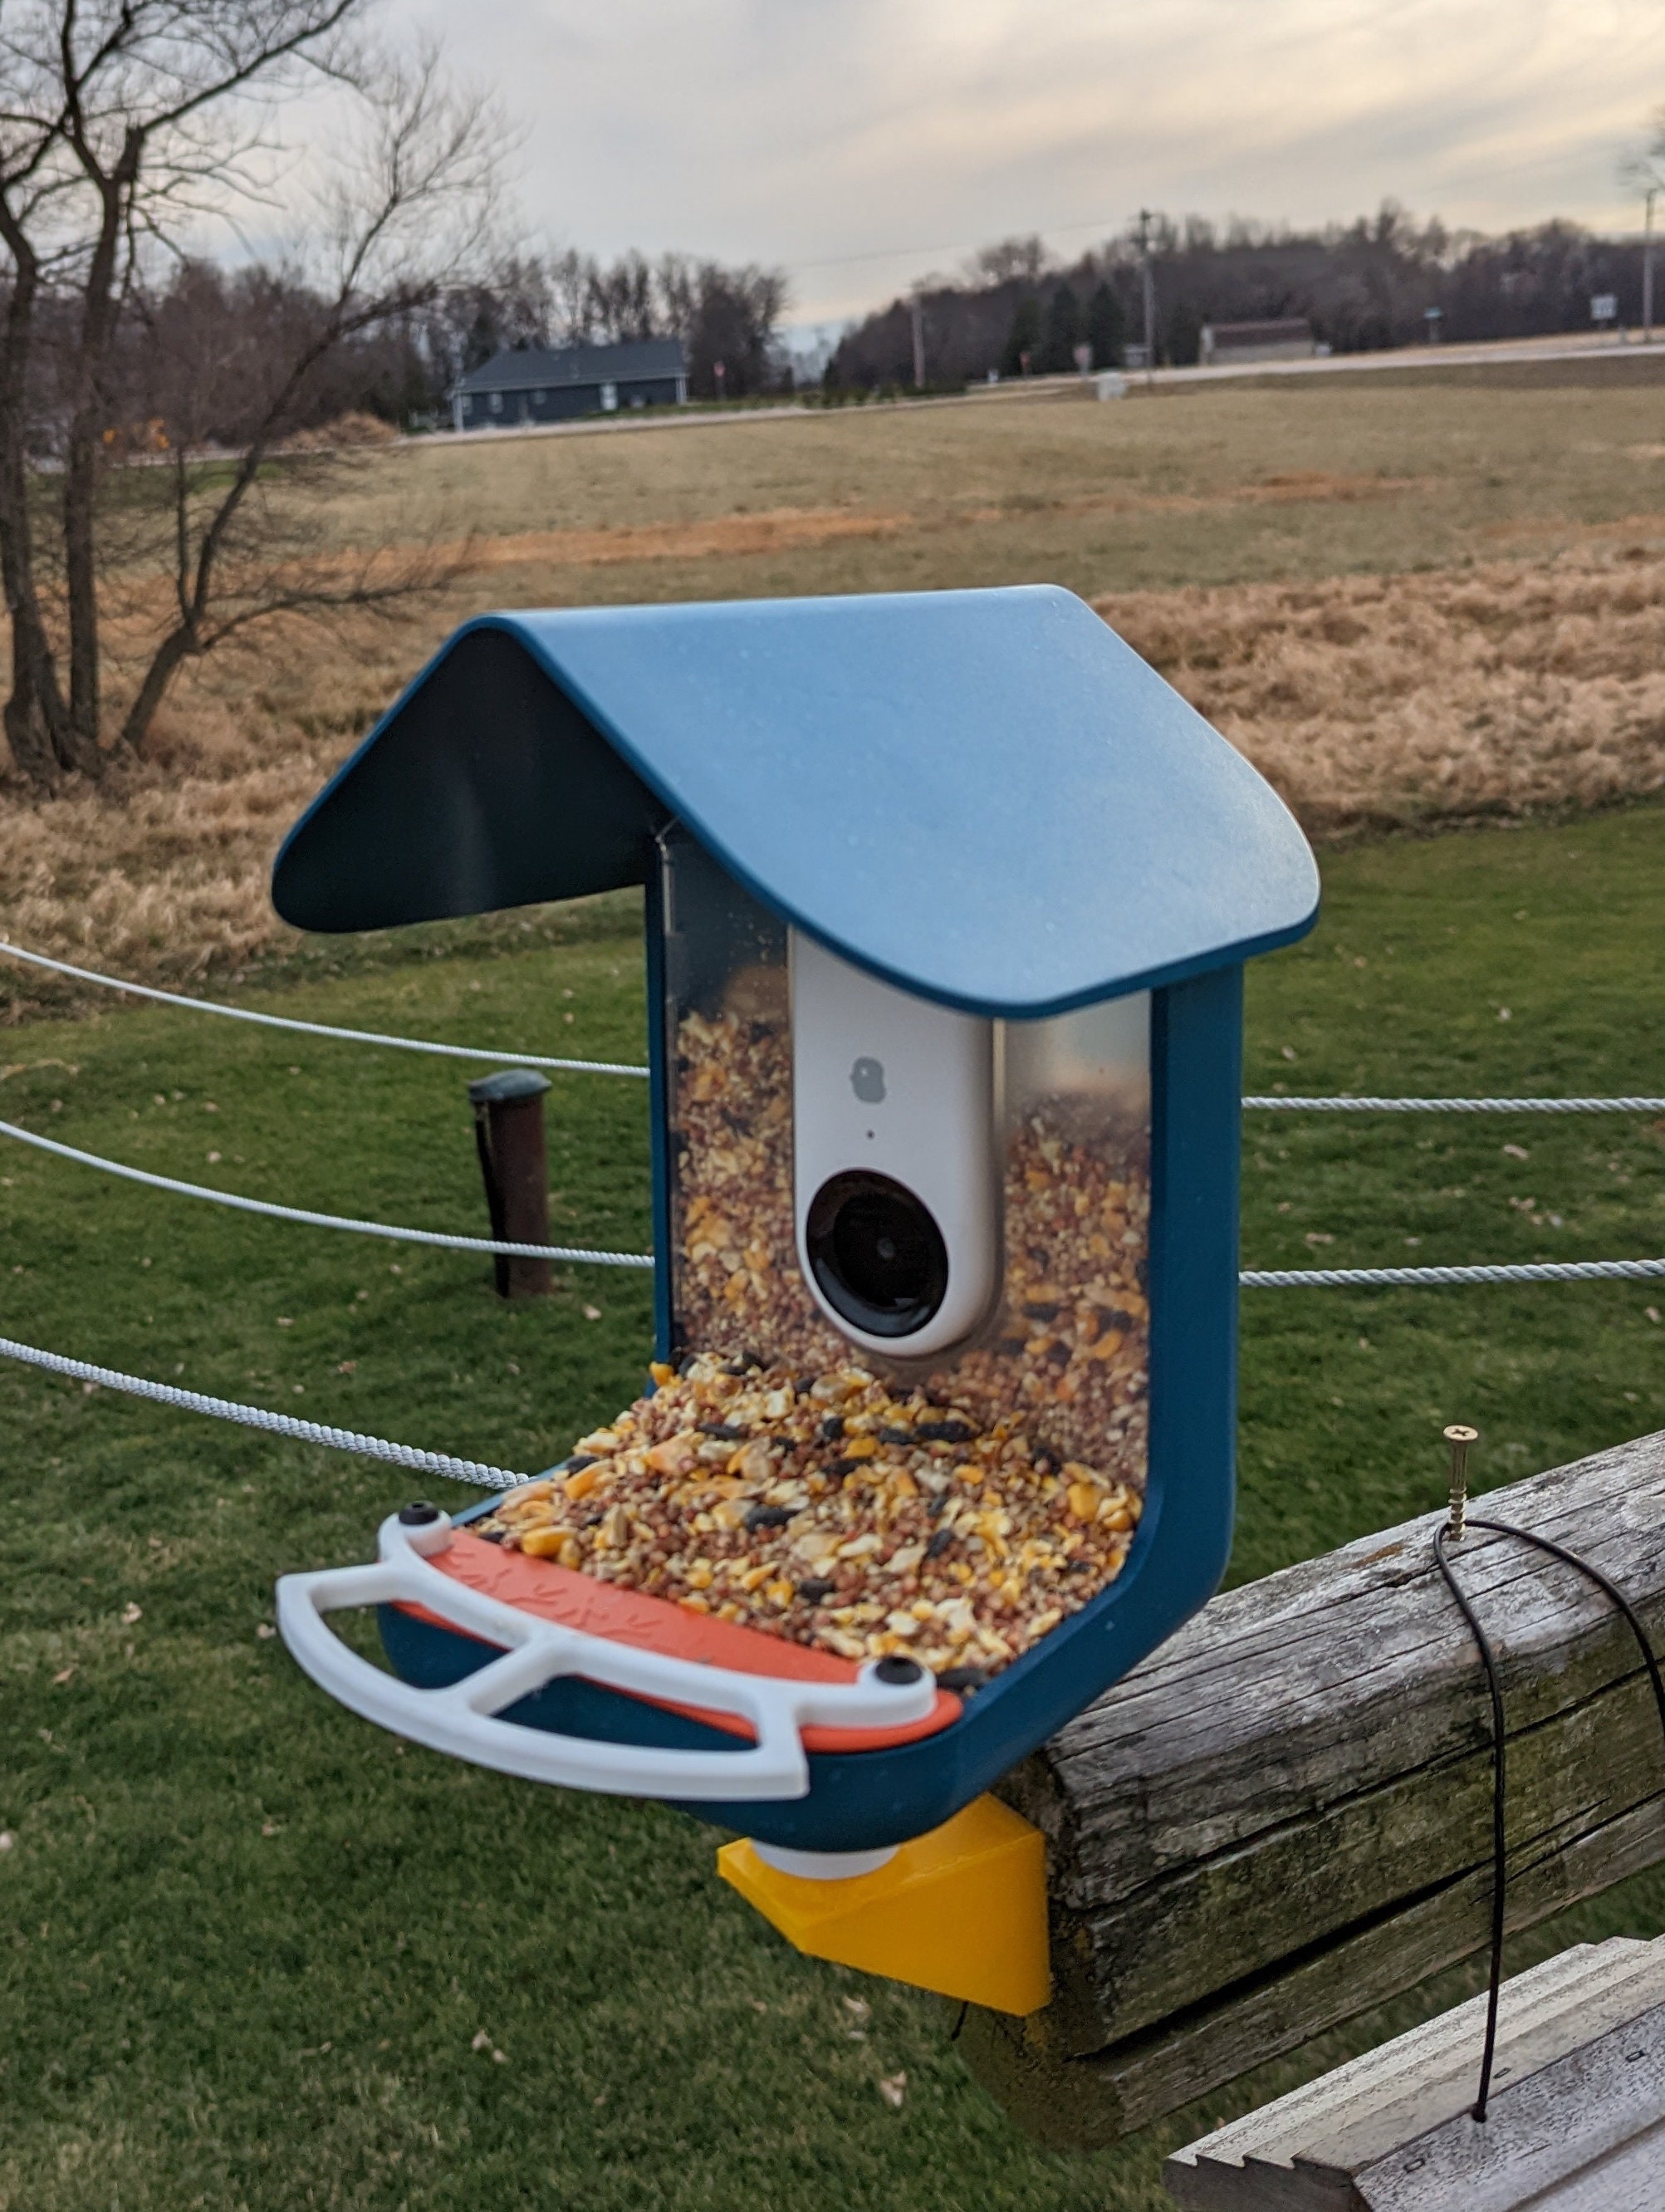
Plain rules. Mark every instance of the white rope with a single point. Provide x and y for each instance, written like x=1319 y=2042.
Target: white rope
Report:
x=1282 y=1105
x=258 y=1417
x=1547 y=1271
x=1276 y=1104
x=321 y=1029
x=576 y=1255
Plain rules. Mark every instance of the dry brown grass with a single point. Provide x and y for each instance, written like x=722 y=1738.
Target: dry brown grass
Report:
x=164 y=871
x=1369 y=700
x=1404 y=606
x=1500 y=690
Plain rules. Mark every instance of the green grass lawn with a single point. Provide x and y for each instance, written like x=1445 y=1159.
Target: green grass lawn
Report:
x=250 y=1945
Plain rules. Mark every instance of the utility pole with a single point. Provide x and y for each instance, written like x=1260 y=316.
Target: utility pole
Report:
x=1648 y=198
x=918 y=341
x=1147 y=283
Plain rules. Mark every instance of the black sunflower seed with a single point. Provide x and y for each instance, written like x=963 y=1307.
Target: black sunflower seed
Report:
x=1040 y=1309
x=724 y=1430
x=837 y=1469
x=815 y=1589
x=940 y=1543
x=944 y=1432
x=768 y=1517
x=832 y=1428
x=896 y=1436
x=579 y=1461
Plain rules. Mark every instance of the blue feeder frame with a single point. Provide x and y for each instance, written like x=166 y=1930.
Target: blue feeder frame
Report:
x=984 y=798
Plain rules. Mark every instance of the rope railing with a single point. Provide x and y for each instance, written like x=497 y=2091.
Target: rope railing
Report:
x=1530 y=1271
x=84 y=1372
x=1272 y=1103
x=323 y=1028
x=1250 y=1278
x=574 y=1254
x=1344 y=1104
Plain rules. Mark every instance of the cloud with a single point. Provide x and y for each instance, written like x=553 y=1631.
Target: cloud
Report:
x=860 y=143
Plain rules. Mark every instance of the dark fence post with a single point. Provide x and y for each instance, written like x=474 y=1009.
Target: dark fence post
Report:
x=508 y=1131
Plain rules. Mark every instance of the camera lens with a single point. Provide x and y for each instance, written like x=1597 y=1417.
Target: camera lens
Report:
x=876 y=1252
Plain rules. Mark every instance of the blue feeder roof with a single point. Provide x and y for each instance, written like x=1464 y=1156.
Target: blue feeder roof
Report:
x=985 y=797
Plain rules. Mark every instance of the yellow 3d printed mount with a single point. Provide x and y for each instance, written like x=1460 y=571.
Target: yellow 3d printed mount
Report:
x=962 y=1910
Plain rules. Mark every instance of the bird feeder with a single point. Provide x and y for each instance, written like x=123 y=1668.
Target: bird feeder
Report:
x=948 y=897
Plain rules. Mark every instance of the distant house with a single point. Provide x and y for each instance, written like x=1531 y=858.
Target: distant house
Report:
x=1288 y=339
x=537 y=384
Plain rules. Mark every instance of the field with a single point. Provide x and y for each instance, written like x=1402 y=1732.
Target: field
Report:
x=1410 y=600
x=258 y=1956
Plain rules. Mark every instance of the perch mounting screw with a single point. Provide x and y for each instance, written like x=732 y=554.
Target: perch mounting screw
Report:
x=421 y=1515
x=1460 y=1439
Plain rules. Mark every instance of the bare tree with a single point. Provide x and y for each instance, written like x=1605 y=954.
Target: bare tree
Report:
x=120 y=123
x=1022 y=260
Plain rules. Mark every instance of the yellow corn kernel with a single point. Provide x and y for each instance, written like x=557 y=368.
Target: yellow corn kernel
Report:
x=700 y=1575
x=545 y=1543
x=1114 y=1516
x=662 y=1372
x=1083 y=1500
x=859 y=1447
x=581 y=1484
x=755 y=1577
x=903 y=1484
x=780 y=1593
x=674 y=1456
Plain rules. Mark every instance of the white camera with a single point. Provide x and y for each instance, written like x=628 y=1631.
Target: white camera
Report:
x=895 y=1169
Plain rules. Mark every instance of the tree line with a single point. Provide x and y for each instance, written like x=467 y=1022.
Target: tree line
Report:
x=1363 y=286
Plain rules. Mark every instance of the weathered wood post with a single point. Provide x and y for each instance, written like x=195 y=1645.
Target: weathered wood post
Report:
x=508 y=1132
x=1283 y=1818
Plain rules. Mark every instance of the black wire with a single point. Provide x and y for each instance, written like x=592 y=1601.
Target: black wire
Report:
x=954 y=2035
x=1499 y=1839
x=1488 y=1660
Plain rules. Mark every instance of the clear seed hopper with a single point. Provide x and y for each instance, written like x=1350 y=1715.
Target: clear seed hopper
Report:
x=948 y=897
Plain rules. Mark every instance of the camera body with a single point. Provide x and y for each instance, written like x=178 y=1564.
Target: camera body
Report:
x=895 y=1158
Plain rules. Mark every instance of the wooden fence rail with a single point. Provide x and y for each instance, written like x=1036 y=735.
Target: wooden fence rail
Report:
x=1284 y=1818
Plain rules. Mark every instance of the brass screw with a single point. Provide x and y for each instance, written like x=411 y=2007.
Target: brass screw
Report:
x=1460 y=1439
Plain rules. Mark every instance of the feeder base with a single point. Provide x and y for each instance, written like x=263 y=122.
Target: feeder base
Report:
x=962 y=1910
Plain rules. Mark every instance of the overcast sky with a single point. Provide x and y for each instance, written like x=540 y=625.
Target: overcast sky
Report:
x=860 y=143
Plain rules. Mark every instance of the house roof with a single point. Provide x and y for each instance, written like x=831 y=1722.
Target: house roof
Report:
x=983 y=796
x=1269 y=333
x=524 y=368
